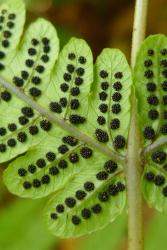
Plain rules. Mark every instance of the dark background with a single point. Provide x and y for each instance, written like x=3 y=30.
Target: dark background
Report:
x=103 y=23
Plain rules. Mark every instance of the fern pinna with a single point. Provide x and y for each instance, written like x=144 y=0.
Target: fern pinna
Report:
x=65 y=122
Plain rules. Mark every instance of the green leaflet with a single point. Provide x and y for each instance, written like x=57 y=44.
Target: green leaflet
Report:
x=88 y=214
x=45 y=157
x=27 y=78
x=12 y=18
x=110 y=97
x=150 y=79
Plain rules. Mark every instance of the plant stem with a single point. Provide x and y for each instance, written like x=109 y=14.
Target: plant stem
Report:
x=134 y=159
x=134 y=170
x=139 y=27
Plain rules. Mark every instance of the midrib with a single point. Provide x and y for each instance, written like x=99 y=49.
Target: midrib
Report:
x=61 y=123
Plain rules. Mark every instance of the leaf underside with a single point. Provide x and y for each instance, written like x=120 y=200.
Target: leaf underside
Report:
x=88 y=186
x=151 y=88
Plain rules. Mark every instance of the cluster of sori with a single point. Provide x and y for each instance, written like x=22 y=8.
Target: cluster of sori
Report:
x=36 y=63
x=102 y=119
x=156 y=102
x=54 y=162
x=73 y=78
x=89 y=189
x=13 y=133
x=158 y=157
x=7 y=24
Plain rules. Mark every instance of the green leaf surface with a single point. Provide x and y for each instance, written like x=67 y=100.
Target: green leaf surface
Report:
x=150 y=80
x=116 y=96
x=84 y=216
x=85 y=138
x=12 y=19
x=14 y=73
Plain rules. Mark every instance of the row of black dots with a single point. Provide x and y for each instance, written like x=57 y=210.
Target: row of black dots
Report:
x=112 y=190
x=153 y=114
x=22 y=136
x=36 y=80
x=152 y=99
x=70 y=140
x=46 y=178
x=7 y=34
x=116 y=97
x=74 y=103
x=54 y=170
x=101 y=135
x=74 y=91
x=86 y=213
x=115 y=123
x=158 y=180
x=80 y=70
x=80 y=194
x=9 y=18
x=32 y=51
x=151 y=52
x=40 y=163
x=73 y=158
x=103 y=107
x=85 y=152
x=158 y=157
x=29 y=63
x=103 y=95
x=163 y=64
x=109 y=168
x=36 y=183
x=11 y=127
x=119 y=141
x=26 y=114
x=24 y=74
x=70 y=202
x=12 y=142
x=32 y=168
